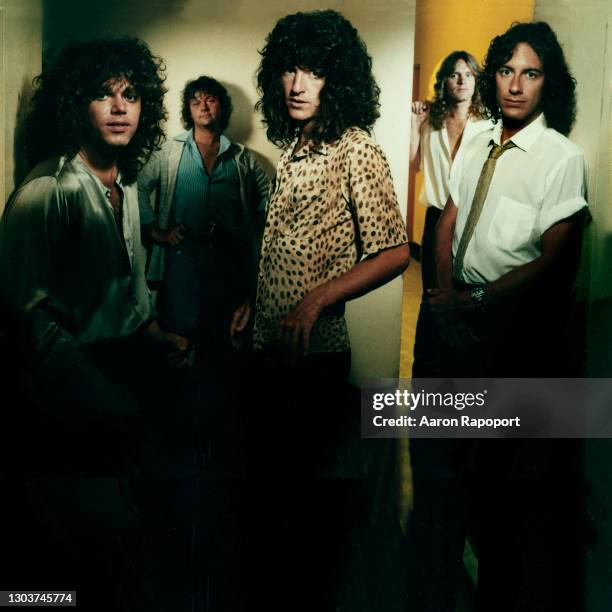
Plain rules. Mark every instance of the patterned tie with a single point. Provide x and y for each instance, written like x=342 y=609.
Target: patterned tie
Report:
x=480 y=195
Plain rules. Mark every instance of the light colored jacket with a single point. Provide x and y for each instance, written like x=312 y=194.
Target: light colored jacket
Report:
x=160 y=174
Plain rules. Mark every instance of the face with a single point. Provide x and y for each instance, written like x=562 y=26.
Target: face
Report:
x=461 y=83
x=114 y=115
x=205 y=110
x=302 y=93
x=520 y=83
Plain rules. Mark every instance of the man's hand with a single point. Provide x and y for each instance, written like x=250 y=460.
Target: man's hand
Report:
x=450 y=308
x=420 y=113
x=174 y=346
x=240 y=319
x=171 y=237
x=293 y=334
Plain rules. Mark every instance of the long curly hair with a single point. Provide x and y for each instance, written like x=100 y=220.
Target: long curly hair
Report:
x=559 y=93
x=326 y=43
x=58 y=119
x=441 y=104
x=212 y=87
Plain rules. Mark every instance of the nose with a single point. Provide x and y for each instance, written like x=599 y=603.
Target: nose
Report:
x=297 y=86
x=460 y=80
x=515 y=84
x=118 y=105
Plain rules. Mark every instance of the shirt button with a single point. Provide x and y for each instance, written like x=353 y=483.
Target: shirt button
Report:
x=266 y=238
x=108 y=194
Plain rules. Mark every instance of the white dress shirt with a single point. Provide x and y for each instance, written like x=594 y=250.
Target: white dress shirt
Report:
x=437 y=160
x=535 y=184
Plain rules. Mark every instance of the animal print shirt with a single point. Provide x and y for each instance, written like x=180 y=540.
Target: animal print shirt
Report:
x=331 y=204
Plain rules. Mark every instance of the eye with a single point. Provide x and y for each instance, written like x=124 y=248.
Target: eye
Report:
x=289 y=72
x=103 y=94
x=130 y=95
x=504 y=72
x=532 y=74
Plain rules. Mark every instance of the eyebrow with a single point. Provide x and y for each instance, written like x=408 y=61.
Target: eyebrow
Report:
x=540 y=70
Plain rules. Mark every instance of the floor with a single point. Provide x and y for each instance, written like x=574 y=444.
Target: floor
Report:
x=413 y=288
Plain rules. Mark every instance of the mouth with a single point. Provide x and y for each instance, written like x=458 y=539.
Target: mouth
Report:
x=510 y=103
x=297 y=103
x=118 y=126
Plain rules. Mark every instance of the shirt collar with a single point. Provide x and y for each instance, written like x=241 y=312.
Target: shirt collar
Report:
x=224 y=142
x=78 y=161
x=524 y=138
x=320 y=148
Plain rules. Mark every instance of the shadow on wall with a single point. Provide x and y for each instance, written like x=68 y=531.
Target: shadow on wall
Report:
x=599 y=347
x=19 y=139
x=241 y=122
x=74 y=20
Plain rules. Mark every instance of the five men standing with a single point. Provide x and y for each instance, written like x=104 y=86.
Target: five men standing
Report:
x=506 y=252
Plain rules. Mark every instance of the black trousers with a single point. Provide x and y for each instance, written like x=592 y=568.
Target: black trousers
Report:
x=300 y=516
x=428 y=266
x=511 y=496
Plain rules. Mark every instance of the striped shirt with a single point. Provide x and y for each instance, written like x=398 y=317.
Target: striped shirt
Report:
x=200 y=198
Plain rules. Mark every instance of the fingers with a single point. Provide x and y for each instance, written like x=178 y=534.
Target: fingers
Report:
x=179 y=342
x=419 y=107
x=289 y=336
x=244 y=314
x=176 y=235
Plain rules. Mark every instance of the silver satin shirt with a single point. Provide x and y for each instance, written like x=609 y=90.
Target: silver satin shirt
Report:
x=65 y=263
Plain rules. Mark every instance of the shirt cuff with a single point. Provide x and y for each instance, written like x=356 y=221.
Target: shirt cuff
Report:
x=561 y=211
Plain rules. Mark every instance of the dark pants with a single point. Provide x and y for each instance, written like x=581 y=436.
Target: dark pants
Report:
x=511 y=495
x=428 y=264
x=194 y=302
x=101 y=430
x=300 y=513
x=519 y=500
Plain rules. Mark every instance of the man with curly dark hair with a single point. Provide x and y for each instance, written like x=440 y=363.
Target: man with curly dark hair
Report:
x=507 y=253
x=510 y=223
x=72 y=261
x=333 y=232
x=211 y=196
x=72 y=267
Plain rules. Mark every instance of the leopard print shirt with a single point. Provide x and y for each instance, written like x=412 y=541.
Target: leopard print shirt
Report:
x=330 y=205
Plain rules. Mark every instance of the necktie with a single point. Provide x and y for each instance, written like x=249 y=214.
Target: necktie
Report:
x=480 y=195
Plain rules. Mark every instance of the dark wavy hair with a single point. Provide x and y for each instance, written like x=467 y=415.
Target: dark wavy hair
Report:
x=58 y=118
x=212 y=87
x=440 y=106
x=559 y=93
x=326 y=43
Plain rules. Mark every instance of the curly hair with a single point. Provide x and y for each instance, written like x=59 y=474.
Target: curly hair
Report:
x=206 y=84
x=58 y=119
x=326 y=43
x=559 y=93
x=440 y=106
